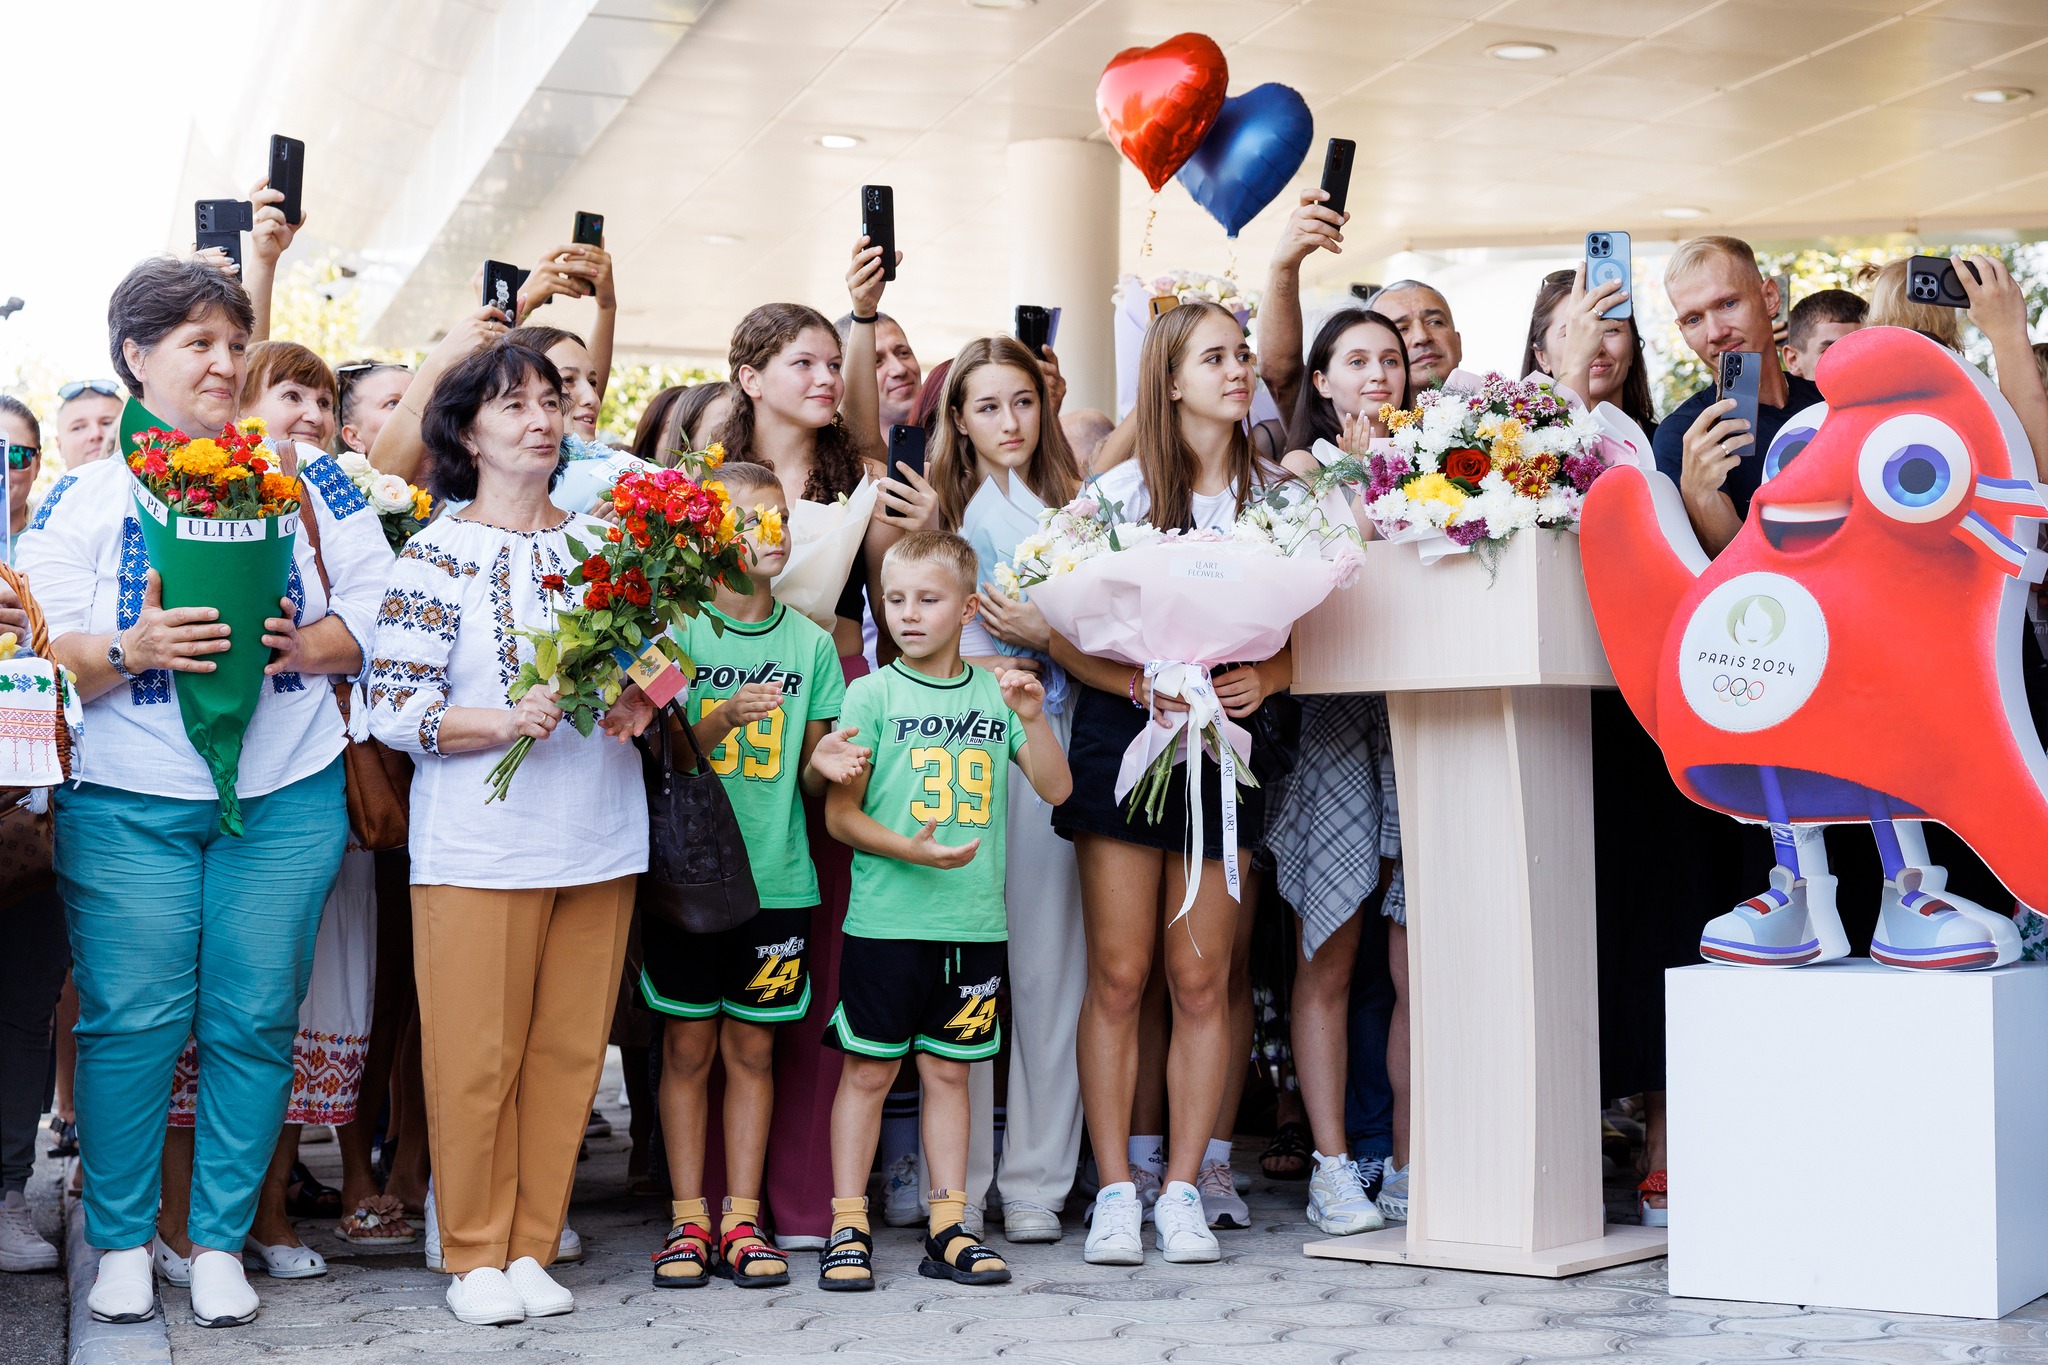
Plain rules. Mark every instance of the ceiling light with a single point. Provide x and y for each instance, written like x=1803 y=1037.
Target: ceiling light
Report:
x=1521 y=52
x=1998 y=94
x=721 y=239
x=838 y=142
x=1683 y=211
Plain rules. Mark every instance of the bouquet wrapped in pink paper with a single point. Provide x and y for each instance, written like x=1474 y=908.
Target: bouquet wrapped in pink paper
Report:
x=1178 y=603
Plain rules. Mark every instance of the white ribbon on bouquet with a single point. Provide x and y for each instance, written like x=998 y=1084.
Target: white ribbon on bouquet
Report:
x=1191 y=684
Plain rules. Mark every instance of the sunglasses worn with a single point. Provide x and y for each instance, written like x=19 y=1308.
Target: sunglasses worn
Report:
x=21 y=457
x=106 y=388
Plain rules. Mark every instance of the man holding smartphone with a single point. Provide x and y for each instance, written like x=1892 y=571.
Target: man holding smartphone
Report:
x=1724 y=304
x=898 y=376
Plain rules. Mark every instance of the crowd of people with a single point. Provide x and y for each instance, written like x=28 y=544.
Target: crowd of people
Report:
x=959 y=992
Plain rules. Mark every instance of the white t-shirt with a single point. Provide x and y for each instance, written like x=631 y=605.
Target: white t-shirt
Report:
x=577 y=812
x=86 y=562
x=1124 y=484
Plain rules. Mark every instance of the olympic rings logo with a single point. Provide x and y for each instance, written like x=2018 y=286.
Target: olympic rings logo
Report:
x=1741 y=691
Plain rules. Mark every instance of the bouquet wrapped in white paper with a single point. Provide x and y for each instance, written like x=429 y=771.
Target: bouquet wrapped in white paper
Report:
x=825 y=538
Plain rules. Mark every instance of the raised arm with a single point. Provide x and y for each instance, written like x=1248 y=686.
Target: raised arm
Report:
x=862 y=406
x=269 y=239
x=1999 y=308
x=1309 y=227
x=398 y=448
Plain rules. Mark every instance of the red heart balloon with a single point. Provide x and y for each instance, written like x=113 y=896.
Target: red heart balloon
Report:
x=1157 y=103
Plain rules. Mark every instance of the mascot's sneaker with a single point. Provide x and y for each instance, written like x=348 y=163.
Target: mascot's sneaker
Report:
x=1775 y=929
x=1923 y=932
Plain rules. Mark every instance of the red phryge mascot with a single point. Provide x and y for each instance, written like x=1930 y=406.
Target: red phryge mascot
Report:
x=1852 y=656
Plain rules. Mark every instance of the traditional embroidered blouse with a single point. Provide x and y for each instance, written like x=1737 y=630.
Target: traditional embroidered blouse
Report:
x=446 y=637
x=86 y=563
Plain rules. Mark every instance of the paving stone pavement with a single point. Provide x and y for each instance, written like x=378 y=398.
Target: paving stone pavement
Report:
x=1264 y=1304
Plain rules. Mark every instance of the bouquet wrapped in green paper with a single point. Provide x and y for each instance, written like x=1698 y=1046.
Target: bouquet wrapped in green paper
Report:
x=219 y=523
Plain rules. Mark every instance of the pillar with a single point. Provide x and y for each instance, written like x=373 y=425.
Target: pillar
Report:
x=1062 y=209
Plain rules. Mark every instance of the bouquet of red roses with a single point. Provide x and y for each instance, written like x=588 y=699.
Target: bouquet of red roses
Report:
x=675 y=540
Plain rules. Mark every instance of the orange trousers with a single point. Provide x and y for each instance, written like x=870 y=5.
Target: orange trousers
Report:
x=516 y=995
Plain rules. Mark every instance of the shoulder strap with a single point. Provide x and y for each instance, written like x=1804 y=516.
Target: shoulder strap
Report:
x=309 y=521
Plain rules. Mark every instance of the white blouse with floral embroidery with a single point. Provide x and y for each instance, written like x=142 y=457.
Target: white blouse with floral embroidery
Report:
x=445 y=637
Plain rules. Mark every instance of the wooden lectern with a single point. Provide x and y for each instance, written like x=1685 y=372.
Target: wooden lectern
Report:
x=1487 y=695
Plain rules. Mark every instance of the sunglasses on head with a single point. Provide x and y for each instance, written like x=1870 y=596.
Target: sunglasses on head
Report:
x=21 y=457
x=106 y=388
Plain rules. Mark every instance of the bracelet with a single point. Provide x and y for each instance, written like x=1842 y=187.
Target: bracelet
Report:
x=870 y=319
x=1132 y=688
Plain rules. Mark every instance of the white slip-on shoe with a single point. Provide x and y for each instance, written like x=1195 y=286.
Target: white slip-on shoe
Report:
x=221 y=1295
x=1222 y=1205
x=22 y=1248
x=169 y=1264
x=123 y=1291
x=485 y=1298
x=569 y=1250
x=1181 y=1226
x=1026 y=1222
x=1114 y=1228
x=283 y=1262
x=537 y=1290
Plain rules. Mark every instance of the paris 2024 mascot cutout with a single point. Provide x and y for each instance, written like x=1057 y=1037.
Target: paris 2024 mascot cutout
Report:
x=1852 y=656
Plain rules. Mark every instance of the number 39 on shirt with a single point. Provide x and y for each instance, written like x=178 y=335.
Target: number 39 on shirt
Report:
x=958 y=788
x=754 y=750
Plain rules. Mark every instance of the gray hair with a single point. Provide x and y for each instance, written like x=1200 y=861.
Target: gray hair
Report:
x=1399 y=286
x=844 y=325
x=163 y=292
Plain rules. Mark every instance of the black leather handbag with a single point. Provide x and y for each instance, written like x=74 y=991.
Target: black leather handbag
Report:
x=698 y=877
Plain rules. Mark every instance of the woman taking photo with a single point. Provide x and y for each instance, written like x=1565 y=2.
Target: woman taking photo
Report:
x=177 y=929
x=1599 y=359
x=998 y=458
x=518 y=935
x=1193 y=467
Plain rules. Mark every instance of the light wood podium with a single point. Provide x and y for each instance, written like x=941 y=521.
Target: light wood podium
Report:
x=1488 y=698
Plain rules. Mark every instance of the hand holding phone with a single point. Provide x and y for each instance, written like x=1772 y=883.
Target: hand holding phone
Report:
x=1738 y=375
x=589 y=229
x=1932 y=279
x=501 y=289
x=899 y=495
x=878 y=223
x=1337 y=172
x=288 y=174
x=220 y=223
x=1034 y=328
x=1608 y=262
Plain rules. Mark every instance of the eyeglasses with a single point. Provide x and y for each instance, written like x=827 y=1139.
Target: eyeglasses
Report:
x=21 y=457
x=347 y=375
x=105 y=388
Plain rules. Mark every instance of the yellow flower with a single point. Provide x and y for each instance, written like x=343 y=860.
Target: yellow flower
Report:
x=202 y=457
x=253 y=426
x=771 y=525
x=714 y=454
x=1396 y=418
x=234 y=473
x=422 y=504
x=1435 y=488
x=728 y=525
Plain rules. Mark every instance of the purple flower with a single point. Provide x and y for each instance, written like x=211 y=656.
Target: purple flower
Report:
x=1581 y=470
x=1466 y=532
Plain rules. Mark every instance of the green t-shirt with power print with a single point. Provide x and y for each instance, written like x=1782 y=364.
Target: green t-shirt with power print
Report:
x=943 y=748
x=760 y=763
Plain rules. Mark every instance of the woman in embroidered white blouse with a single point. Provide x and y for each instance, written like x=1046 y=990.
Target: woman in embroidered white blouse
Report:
x=520 y=907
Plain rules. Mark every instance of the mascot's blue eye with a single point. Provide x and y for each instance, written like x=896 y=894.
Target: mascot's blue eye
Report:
x=1915 y=468
x=1793 y=438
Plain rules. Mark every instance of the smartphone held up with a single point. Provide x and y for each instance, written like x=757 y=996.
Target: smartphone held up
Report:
x=1608 y=261
x=878 y=223
x=1738 y=375
x=501 y=289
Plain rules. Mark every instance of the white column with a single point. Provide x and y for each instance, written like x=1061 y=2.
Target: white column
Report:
x=1063 y=254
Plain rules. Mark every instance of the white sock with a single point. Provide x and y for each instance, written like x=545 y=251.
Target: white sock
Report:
x=1148 y=1151
x=1219 y=1150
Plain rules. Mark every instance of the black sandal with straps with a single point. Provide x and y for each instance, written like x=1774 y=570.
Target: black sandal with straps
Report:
x=734 y=1267
x=687 y=1244
x=961 y=1268
x=848 y=1249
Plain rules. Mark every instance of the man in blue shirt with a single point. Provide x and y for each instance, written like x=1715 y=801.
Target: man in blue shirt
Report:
x=1724 y=304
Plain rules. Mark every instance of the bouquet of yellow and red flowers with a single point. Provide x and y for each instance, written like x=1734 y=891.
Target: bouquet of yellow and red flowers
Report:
x=219 y=522
x=675 y=540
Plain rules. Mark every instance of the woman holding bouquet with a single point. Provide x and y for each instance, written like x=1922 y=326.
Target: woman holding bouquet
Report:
x=178 y=928
x=517 y=938
x=1194 y=468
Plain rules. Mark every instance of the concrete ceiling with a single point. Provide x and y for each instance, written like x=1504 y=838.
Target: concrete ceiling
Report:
x=478 y=127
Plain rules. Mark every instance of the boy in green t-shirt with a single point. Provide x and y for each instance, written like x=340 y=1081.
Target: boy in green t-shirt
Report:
x=767 y=683
x=925 y=925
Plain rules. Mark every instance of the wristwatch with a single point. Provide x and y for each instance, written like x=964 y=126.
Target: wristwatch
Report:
x=119 y=658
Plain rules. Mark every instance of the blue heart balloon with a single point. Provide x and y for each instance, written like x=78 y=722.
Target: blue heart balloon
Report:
x=1254 y=148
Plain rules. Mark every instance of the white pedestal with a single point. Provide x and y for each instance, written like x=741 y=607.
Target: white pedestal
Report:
x=1859 y=1137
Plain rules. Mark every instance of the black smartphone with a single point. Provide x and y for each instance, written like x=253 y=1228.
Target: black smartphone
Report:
x=589 y=229
x=1737 y=377
x=1607 y=258
x=1337 y=171
x=501 y=289
x=221 y=223
x=1932 y=279
x=288 y=174
x=878 y=223
x=906 y=448
x=1034 y=327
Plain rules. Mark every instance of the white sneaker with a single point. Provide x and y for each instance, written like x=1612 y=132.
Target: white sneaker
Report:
x=1393 y=1200
x=123 y=1291
x=1181 y=1226
x=21 y=1246
x=1114 y=1227
x=284 y=1262
x=537 y=1290
x=485 y=1298
x=900 y=1198
x=1222 y=1205
x=1337 y=1201
x=1023 y=1222
x=221 y=1296
x=169 y=1264
x=433 y=1232
x=569 y=1249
